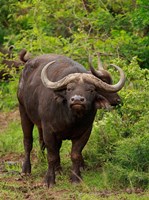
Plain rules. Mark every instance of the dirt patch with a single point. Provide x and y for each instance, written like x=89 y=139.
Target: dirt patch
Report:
x=7 y=117
x=11 y=156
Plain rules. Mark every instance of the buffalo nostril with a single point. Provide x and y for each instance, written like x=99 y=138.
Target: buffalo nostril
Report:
x=82 y=99
x=72 y=99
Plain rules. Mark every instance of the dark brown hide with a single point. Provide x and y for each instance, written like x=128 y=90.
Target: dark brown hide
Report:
x=63 y=114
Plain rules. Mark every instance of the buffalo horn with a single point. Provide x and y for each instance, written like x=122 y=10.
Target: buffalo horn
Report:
x=61 y=84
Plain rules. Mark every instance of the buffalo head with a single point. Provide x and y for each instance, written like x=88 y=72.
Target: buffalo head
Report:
x=83 y=89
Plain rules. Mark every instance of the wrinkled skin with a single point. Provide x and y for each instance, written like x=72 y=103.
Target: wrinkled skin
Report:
x=59 y=115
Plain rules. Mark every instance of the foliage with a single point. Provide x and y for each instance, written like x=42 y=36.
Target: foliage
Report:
x=8 y=97
x=77 y=28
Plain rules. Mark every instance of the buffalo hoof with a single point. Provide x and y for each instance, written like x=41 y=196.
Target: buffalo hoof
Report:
x=25 y=174
x=26 y=169
x=75 y=179
x=49 y=185
x=49 y=181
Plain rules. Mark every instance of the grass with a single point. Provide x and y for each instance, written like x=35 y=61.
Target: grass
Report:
x=12 y=186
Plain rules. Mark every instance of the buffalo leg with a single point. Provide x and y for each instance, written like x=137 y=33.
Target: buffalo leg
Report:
x=52 y=146
x=27 y=127
x=42 y=147
x=76 y=156
x=58 y=167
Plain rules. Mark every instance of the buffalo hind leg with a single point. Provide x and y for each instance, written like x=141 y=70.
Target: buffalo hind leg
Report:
x=76 y=156
x=27 y=127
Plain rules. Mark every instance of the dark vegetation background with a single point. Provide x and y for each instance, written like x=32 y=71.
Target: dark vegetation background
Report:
x=119 y=145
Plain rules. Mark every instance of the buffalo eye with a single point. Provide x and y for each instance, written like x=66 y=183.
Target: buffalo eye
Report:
x=91 y=89
x=70 y=88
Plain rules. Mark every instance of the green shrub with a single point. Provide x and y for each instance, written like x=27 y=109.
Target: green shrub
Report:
x=133 y=153
x=106 y=132
x=8 y=95
x=130 y=164
x=117 y=176
x=120 y=138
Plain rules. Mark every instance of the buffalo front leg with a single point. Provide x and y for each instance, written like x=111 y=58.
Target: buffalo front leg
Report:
x=27 y=127
x=58 y=167
x=52 y=146
x=76 y=156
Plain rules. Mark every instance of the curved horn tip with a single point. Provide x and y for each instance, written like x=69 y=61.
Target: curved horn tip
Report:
x=118 y=68
x=122 y=75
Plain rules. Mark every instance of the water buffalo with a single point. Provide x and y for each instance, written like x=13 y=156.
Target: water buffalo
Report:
x=61 y=98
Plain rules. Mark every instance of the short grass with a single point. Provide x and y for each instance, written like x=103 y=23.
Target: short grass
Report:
x=13 y=186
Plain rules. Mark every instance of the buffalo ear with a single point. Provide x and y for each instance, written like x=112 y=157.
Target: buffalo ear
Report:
x=59 y=96
x=59 y=99
x=101 y=102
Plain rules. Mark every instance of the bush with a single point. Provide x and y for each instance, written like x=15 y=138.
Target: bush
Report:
x=120 y=138
x=8 y=94
x=130 y=164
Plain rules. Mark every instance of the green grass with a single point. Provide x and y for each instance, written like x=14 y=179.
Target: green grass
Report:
x=95 y=183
